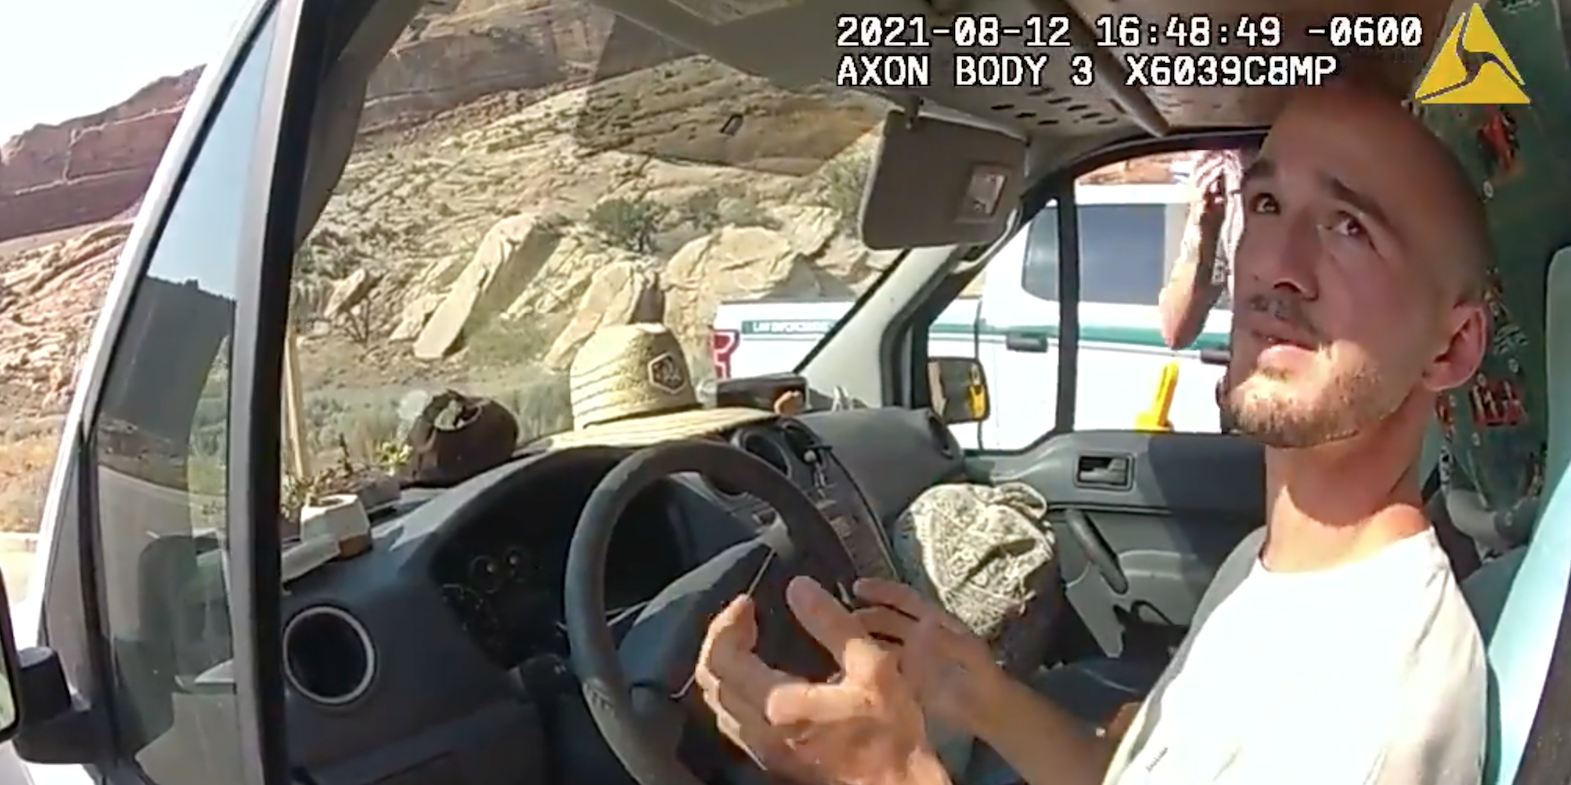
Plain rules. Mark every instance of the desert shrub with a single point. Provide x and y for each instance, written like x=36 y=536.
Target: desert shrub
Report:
x=842 y=182
x=365 y=433
x=307 y=297
x=371 y=319
x=702 y=210
x=542 y=407
x=743 y=214
x=321 y=411
x=210 y=441
x=510 y=343
x=27 y=457
x=628 y=223
x=713 y=208
x=364 y=430
x=555 y=224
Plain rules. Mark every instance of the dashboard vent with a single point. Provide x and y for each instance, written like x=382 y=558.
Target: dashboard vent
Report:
x=328 y=656
x=943 y=440
x=759 y=445
x=800 y=437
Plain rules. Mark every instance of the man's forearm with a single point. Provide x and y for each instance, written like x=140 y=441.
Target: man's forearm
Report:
x=1040 y=741
x=1187 y=298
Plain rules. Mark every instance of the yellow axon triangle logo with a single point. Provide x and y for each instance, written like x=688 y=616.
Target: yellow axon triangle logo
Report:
x=1472 y=67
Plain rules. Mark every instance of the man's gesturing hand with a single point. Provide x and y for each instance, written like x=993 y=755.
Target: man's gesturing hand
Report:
x=1212 y=204
x=952 y=670
x=864 y=729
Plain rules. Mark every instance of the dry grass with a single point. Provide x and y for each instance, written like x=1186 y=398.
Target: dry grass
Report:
x=27 y=456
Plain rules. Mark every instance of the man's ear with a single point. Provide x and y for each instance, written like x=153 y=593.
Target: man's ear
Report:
x=1458 y=356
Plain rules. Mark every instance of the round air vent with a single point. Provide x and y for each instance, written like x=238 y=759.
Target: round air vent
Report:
x=799 y=436
x=328 y=656
x=943 y=439
x=761 y=446
x=758 y=444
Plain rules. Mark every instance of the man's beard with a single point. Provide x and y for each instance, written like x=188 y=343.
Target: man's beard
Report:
x=1265 y=407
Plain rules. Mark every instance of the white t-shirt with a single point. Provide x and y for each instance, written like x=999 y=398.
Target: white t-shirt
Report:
x=1371 y=673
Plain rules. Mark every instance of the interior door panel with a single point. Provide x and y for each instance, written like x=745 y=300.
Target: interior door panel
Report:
x=1142 y=522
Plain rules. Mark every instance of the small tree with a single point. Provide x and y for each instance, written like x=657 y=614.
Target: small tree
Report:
x=627 y=222
x=361 y=324
x=843 y=182
x=702 y=210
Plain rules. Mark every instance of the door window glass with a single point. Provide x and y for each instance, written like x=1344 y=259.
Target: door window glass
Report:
x=159 y=447
x=1126 y=251
x=1123 y=252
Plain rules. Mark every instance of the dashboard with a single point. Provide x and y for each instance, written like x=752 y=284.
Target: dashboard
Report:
x=503 y=579
x=439 y=656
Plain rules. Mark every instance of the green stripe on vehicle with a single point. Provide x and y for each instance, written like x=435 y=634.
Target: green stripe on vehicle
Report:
x=1089 y=333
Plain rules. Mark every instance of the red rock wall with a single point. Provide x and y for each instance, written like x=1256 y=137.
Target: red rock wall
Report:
x=95 y=168
x=91 y=168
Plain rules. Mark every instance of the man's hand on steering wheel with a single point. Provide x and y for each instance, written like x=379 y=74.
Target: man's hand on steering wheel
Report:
x=865 y=728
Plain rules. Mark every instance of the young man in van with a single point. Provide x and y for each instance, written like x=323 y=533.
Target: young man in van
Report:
x=1334 y=647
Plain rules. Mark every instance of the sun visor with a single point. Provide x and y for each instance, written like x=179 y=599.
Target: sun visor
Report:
x=940 y=182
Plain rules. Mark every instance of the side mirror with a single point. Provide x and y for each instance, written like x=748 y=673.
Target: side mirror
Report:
x=958 y=387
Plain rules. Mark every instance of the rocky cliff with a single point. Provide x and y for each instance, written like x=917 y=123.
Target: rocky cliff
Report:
x=58 y=180
x=91 y=168
x=94 y=168
x=489 y=187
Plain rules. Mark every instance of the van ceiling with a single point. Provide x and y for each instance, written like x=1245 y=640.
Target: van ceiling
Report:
x=793 y=43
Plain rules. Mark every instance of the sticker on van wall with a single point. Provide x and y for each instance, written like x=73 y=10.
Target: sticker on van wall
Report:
x=721 y=12
x=1498 y=142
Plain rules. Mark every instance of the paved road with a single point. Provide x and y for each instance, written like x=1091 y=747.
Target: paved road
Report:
x=16 y=565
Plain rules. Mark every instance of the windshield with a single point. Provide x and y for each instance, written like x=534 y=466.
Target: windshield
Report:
x=523 y=176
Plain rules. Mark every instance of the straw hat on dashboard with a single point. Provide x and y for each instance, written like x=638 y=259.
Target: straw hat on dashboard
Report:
x=629 y=386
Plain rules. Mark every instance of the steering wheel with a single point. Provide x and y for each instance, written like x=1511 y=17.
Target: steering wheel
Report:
x=636 y=693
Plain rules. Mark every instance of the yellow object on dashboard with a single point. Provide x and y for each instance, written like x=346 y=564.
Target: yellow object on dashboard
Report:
x=1155 y=418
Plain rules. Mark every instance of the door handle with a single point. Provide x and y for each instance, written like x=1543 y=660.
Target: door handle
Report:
x=1103 y=471
x=1096 y=550
x=1032 y=341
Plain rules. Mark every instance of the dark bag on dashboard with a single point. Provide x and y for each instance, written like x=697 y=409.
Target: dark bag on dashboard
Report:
x=456 y=437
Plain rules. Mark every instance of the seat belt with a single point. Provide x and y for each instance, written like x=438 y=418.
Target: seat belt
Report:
x=1431 y=484
x=1460 y=549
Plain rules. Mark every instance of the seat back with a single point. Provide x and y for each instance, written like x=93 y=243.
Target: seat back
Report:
x=1557 y=355
x=1518 y=599
x=1498 y=429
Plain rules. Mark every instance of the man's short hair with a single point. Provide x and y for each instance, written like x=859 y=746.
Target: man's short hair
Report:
x=1382 y=77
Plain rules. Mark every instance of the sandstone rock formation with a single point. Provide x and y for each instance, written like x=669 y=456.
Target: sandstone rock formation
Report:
x=510 y=256
x=480 y=198
x=90 y=168
x=49 y=297
x=93 y=168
